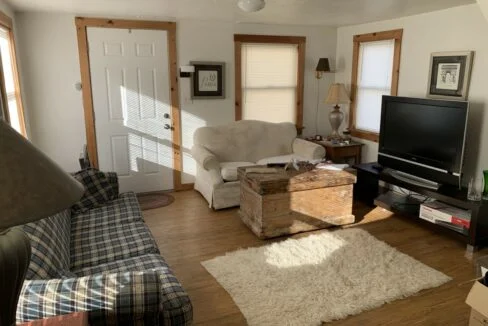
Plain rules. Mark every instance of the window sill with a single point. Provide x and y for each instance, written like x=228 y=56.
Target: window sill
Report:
x=368 y=135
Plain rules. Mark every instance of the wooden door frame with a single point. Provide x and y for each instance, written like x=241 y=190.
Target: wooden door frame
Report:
x=81 y=30
x=7 y=23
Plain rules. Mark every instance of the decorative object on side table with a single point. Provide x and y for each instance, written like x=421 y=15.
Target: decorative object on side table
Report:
x=450 y=74
x=208 y=80
x=322 y=67
x=33 y=187
x=337 y=95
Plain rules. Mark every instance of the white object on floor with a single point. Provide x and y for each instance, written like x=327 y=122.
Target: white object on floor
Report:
x=322 y=277
x=333 y=167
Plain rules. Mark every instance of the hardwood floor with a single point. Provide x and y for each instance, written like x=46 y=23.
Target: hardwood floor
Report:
x=188 y=232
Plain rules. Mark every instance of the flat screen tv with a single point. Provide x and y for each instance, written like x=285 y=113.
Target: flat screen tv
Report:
x=423 y=137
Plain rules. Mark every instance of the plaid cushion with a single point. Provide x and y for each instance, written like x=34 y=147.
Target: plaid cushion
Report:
x=124 y=209
x=50 y=242
x=176 y=308
x=98 y=189
x=133 y=264
x=108 y=233
x=113 y=180
x=111 y=299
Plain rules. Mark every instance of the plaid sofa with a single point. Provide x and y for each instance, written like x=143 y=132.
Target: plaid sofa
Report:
x=100 y=257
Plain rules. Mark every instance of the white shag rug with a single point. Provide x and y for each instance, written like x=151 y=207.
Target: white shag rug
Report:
x=318 y=278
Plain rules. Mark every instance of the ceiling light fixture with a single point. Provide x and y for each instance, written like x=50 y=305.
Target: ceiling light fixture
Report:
x=251 y=5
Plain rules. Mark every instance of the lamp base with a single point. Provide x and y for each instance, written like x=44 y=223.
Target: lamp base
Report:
x=15 y=252
x=335 y=118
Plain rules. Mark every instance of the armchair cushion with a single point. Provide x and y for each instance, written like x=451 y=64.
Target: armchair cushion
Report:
x=100 y=188
x=50 y=242
x=228 y=170
x=246 y=140
x=308 y=150
x=129 y=298
x=204 y=157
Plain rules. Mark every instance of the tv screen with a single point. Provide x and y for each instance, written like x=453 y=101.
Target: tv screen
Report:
x=424 y=131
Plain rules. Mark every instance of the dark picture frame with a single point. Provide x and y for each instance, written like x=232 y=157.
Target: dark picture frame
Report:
x=449 y=75
x=208 y=80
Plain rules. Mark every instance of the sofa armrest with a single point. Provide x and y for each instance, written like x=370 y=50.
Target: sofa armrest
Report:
x=118 y=298
x=308 y=150
x=205 y=158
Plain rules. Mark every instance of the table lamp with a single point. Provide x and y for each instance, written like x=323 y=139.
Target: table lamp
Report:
x=337 y=95
x=32 y=187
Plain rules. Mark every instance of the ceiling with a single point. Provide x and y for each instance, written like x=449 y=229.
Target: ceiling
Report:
x=297 y=12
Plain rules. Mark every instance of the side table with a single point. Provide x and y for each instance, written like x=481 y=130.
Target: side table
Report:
x=341 y=153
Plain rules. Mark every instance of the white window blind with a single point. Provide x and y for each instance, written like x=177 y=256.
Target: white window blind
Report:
x=8 y=75
x=375 y=65
x=269 y=82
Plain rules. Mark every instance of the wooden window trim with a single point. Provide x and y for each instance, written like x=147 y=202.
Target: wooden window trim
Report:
x=81 y=25
x=7 y=23
x=300 y=41
x=396 y=35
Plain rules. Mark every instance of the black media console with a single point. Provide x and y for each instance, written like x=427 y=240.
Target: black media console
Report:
x=367 y=187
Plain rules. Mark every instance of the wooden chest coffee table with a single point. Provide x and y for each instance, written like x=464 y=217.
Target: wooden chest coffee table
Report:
x=287 y=202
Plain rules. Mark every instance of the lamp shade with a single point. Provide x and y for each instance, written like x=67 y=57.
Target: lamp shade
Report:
x=32 y=186
x=323 y=65
x=337 y=94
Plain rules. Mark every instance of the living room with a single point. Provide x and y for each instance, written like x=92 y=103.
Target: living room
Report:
x=188 y=233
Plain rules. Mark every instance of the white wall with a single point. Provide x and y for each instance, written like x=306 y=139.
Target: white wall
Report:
x=484 y=7
x=214 y=41
x=5 y=7
x=455 y=29
x=49 y=58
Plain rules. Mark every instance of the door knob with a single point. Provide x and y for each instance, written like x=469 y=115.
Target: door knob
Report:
x=167 y=126
x=166 y=115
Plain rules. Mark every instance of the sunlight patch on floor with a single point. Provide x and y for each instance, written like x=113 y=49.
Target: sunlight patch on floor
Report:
x=305 y=251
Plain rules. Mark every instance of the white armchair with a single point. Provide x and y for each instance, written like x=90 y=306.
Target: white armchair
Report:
x=220 y=150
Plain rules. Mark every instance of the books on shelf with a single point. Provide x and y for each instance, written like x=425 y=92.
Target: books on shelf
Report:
x=454 y=218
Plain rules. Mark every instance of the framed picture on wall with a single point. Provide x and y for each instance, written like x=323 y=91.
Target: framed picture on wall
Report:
x=450 y=73
x=208 y=80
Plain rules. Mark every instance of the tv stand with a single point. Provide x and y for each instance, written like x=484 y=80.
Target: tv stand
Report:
x=408 y=207
x=405 y=177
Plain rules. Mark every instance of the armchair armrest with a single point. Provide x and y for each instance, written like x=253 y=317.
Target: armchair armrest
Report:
x=118 y=298
x=308 y=150
x=205 y=158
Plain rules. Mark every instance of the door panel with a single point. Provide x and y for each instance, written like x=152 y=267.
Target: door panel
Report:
x=131 y=98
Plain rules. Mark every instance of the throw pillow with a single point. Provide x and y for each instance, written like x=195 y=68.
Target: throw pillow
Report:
x=99 y=189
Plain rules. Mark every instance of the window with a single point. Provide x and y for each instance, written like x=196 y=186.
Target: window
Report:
x=269 y=78
x=10 y=90
x=376 y=63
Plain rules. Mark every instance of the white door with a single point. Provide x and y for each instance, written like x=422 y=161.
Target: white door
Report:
x=132 y=106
